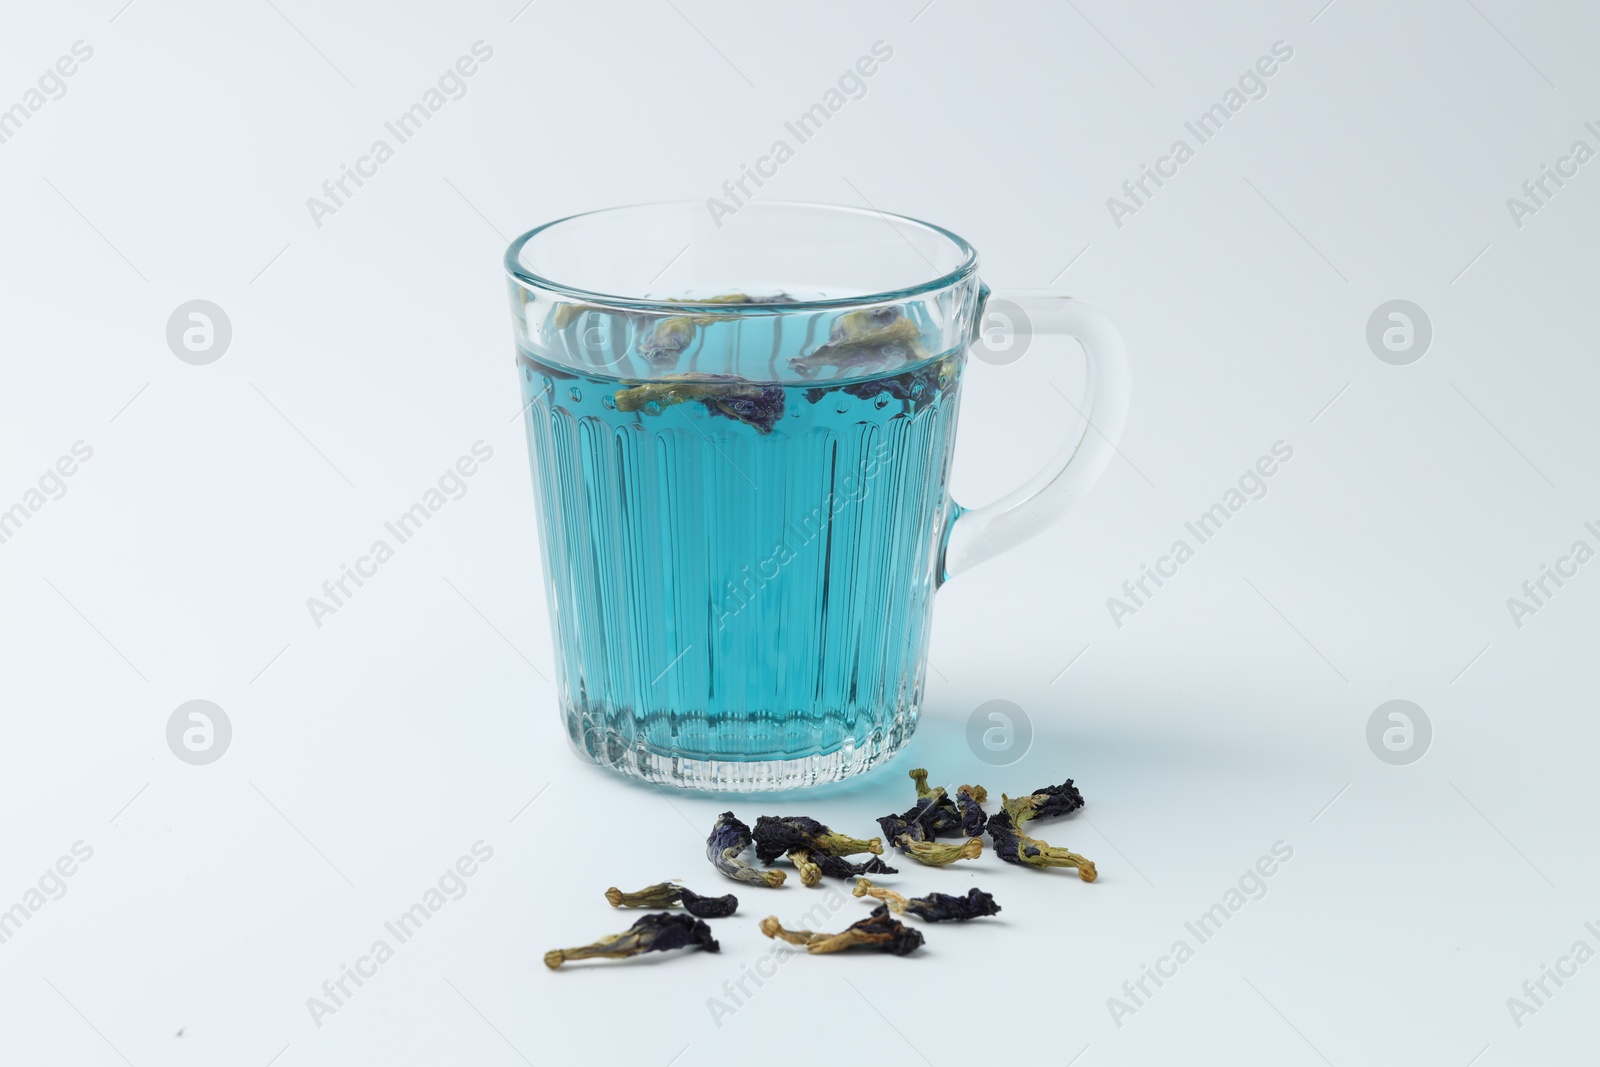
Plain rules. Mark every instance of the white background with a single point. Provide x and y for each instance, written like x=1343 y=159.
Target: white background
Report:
x=1228 y=714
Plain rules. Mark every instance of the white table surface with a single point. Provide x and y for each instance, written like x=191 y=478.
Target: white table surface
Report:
x=1227 y=715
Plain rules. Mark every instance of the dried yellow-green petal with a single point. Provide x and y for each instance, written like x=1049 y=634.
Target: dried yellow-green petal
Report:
x=865 y=888
x=940 y=853
x=660 y=895
x=880 y=931
x=1014 y=846
x=810 y=872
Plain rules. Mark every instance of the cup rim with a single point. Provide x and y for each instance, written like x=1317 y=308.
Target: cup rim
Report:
x=964 y=270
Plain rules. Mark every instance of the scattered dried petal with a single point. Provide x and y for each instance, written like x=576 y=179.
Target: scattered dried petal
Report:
x=729 y=838
x=709 y=907
x=775 y=835
x=945 y=907
x=969 y=800
x=810 y=873
x=880 y=931
x=1015 y=847
x=940 y=853
x=865 y=888
x=652 y=933
x=1063 y=799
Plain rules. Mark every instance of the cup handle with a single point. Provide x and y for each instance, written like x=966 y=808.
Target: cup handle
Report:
x=980 y=533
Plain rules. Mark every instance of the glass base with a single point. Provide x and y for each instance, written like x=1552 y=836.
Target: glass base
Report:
x=615 y=749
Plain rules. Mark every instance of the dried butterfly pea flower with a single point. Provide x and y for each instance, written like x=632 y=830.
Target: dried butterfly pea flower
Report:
x=737 y=298
x=727 y=395
x=939 y=813
x=1063 y=799
x=668 y=338
x=915 y=831
x=810 y=873
x=969 y=800
x=652 y=933
x=946 y=907
x=896 y=902
x=660 y=895
x=776 y=835
x=864 y=340
x=666 y=894
x=837 y=867
x=729 y=838
x=909 y=837
x=935 y=907
x=709 y=907
x=1015 y=847
x=940 y=853
x=880 y=931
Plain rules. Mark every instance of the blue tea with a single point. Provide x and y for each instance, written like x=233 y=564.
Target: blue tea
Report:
x=741 y=432
x=740 y=569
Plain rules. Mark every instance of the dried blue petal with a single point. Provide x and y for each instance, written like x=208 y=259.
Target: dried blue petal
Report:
x=1015 y=847
x=945 y=907
x=969 y=800
x=837 y=867
x=775 y=835
x=709 y=907
x=1063 y=799
x=729 y=838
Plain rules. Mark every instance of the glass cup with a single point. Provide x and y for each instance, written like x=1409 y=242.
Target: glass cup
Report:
x=740 y=433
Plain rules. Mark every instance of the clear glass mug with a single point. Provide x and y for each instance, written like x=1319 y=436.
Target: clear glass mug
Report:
x=740 y=433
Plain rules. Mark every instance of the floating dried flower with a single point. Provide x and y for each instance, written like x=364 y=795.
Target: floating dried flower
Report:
x=670 y=337
x=727 y=395
x=880 y=931
x=652 y=933
x=729 y=838
x=865 y=340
